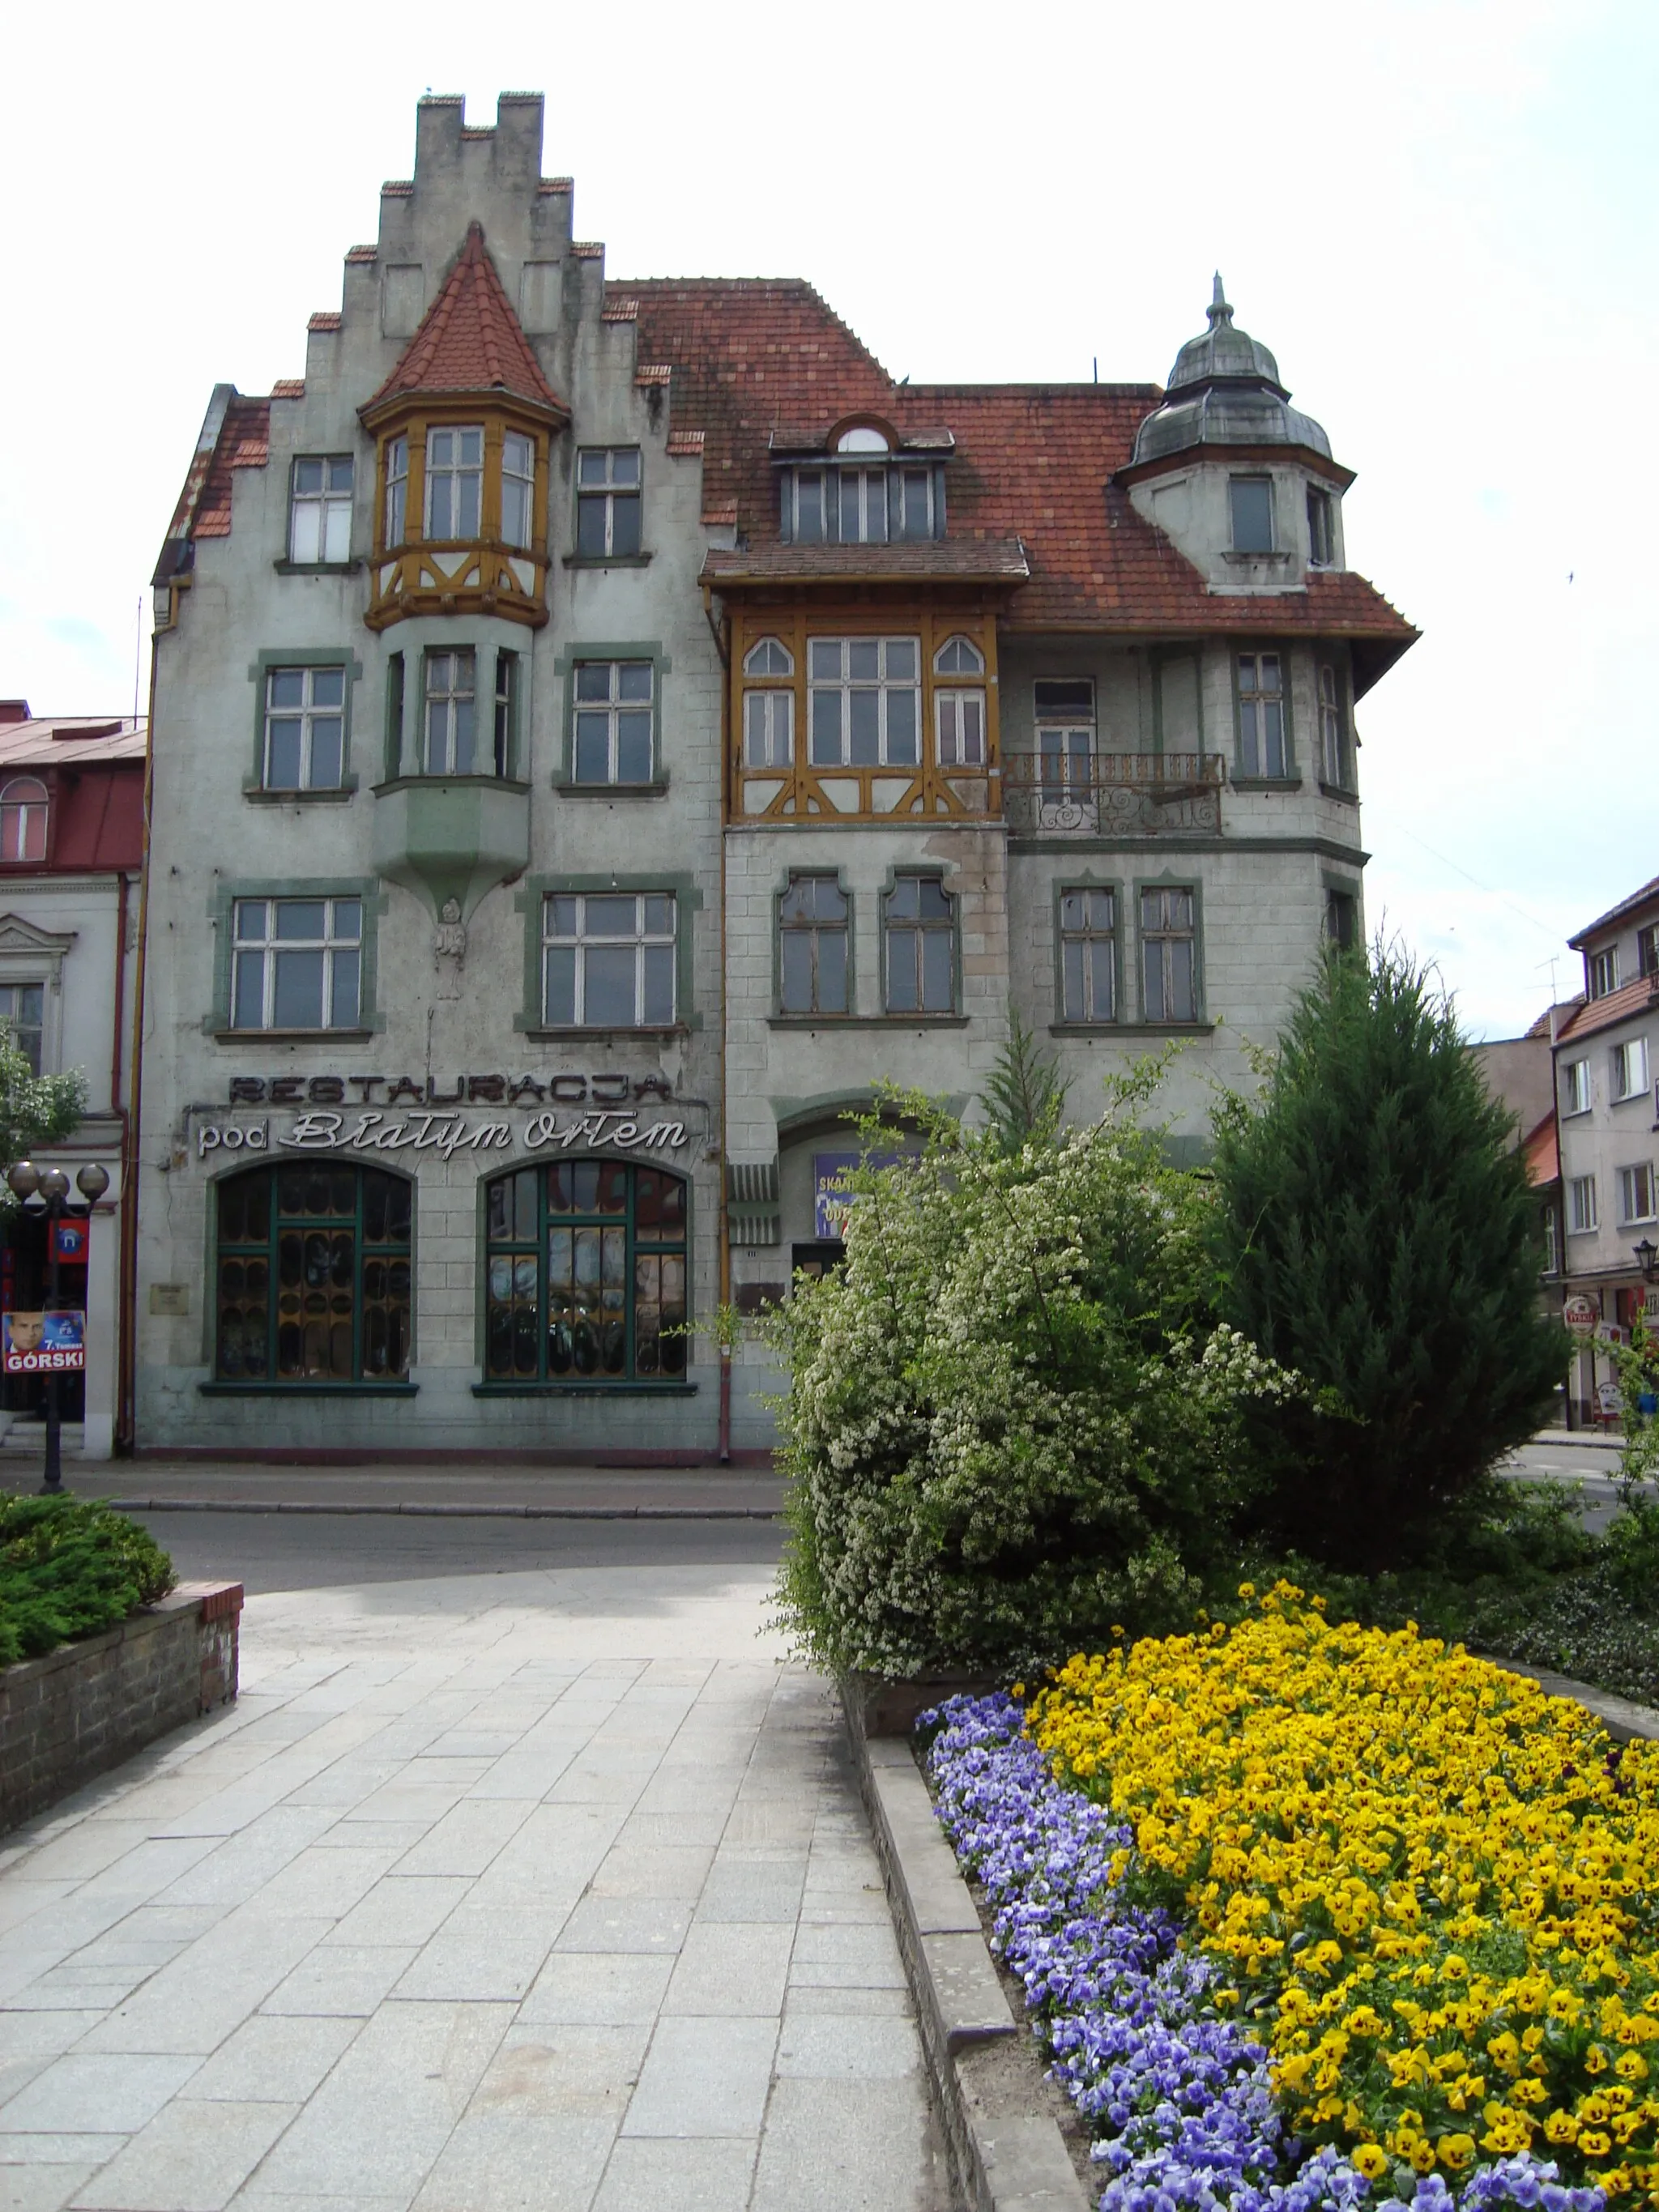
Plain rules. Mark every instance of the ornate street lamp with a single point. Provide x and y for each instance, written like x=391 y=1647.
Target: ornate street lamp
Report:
x=52 y=1185
x=1647 y=1258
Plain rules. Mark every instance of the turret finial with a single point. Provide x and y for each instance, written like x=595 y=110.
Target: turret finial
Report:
x=1219 y=311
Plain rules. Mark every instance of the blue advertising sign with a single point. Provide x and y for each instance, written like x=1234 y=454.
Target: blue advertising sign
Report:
x=829 y=1204
x=43 y=1343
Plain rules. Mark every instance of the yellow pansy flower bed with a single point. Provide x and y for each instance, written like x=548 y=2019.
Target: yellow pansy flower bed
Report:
x=1434 y=1889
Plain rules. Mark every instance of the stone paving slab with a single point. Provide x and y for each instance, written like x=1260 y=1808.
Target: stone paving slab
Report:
x=545 y=1890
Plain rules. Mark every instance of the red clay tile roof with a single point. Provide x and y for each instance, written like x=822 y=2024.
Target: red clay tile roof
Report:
x=1540 y=1028
x=470 y=340
x=973 y=560
x=1648 y=896
x=654 y=372
x=684 y=444
x=556 y=184
x=398 y=188
x=1540 y=1149
x=1036 y=462
x=1594 y=1015
x=619 y=310
x=244 y=442
x=359 y=253
x=587 y=249
x=722 y=514
x=288 y=387
x=326 y=318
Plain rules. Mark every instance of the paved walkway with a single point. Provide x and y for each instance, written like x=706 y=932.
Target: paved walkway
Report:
x=539 y=1890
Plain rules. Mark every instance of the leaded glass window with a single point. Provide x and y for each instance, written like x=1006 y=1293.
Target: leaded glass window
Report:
x=314 y=1278
x=587 y=1275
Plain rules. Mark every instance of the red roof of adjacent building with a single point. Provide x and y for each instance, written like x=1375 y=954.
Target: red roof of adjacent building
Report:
x=1648 y=896
x=1541 y=1151
x=470 y=339
x=1035 y=462
x=71 y=740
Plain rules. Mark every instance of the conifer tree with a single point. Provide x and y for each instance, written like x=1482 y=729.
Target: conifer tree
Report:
x=1375 y=1232
x=1025 y=1094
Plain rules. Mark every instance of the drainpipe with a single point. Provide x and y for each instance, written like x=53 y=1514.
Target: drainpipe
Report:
x=724 y=1448
x=126 y=1425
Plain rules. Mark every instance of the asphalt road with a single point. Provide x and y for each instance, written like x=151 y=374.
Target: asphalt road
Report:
x=295 y=1552
x=1594 y=1472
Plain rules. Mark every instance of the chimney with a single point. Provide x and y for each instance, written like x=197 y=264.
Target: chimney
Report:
x=14 y=710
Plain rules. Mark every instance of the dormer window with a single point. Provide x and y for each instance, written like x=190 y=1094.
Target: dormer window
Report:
x=863 y=438
x=840 y=504
x=23 y=819
x=1252 y=500
x=1601 y=968
x=1321 y=538
x=454 y=484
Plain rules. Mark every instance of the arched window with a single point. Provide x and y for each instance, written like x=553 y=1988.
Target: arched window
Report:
x=959 y=656
x=23 y=819
x=314 y=1275
x=771 y=657
x=862 y=438
x=587 y=1275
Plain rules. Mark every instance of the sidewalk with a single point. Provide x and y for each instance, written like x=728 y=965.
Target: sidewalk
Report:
x=543 y=1890
x=152 y=1485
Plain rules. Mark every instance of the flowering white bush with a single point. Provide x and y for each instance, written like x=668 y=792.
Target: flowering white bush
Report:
x=1013 y=1419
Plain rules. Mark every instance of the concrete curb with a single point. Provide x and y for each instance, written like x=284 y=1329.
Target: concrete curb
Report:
x=1005 y=2155
x=452 y=1512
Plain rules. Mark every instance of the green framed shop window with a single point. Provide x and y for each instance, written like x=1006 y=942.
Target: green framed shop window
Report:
x=313 y=1281
x=585 y=1280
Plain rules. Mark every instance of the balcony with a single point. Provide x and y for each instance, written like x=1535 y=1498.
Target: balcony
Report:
x=1113 y=795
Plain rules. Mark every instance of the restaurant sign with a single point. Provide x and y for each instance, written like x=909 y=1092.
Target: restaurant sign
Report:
x=446 y=1134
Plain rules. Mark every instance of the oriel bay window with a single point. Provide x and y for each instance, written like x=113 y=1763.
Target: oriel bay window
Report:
x=768 y=715
x=608 y=960
x=864 y=702
x=518 y=488
x=919 y=929
x=959 y=714
x=454 y=484
x=1168 y=954
x=1335 y=766
x=296 y=963
x=587 y=1275
x=305 y=728
x=812 y=934
x=313 y=1276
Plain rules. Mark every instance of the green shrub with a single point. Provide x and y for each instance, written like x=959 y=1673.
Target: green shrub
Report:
x=1376 y=1233
x=1013 y=1419
x=69 y=1567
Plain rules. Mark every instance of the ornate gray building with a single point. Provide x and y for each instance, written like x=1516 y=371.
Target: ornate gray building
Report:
x=599 y=729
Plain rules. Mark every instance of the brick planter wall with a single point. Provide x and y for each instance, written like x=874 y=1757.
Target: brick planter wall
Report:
x=86 y=1706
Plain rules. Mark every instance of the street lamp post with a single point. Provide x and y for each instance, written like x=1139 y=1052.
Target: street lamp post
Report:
x=52 y=1185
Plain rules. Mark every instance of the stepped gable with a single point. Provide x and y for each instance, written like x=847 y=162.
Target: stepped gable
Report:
x=752 y=356
x=470 y=340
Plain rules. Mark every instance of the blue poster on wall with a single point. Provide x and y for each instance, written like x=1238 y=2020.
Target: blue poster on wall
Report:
x=830 y=1202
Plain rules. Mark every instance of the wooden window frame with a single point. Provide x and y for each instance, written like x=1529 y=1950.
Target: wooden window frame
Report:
x=329 y=503
x=846 y=686
x=612 y=490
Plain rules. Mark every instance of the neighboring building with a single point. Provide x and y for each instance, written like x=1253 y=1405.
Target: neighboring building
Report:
x=601 y=728
x=1520 y=1072
x=1606 y=1104
x=71 y=853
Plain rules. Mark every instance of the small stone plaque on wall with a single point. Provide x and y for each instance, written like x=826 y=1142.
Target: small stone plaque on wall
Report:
x=169 y=1297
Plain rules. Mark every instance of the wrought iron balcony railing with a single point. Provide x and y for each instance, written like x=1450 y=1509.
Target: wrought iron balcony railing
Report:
x=1139 y=794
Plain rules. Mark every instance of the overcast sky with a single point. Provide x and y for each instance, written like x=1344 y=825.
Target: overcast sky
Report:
x=1440 y=216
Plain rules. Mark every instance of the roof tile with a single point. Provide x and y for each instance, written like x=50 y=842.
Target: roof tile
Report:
x=470 y=339
x=288 y=387
x=684 y=444
x=587 y=249
x=358 y=253
x=327 y=319
x=1035 y=462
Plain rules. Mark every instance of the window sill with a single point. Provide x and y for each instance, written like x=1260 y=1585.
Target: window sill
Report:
x=292 y=1037
x=308 y=1389
x=1273 y=557
x=427 y=782
x=258 y=795
x=607 y=560
x=619 y=1390
x=566 y=789
x=1264 y=783
x=1339 y=791
x=317 y=567
x=866 y=1021
x=1130 y=1029
x=577 y=1035
x=1633 y=1098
